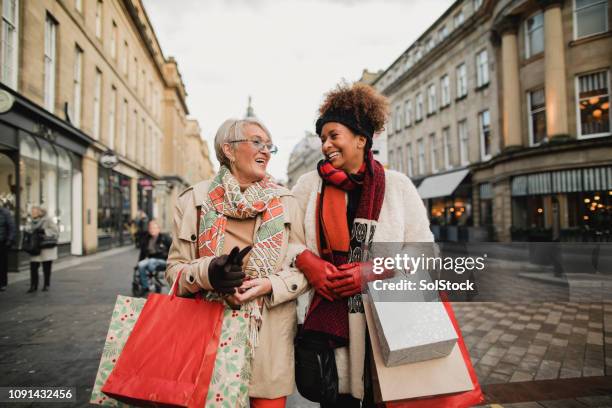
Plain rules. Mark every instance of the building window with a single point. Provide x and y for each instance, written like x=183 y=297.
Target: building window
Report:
x=534 y=35
x=461 y=81
x=397 y=118
x=462 y=131
x=458 y=19
x=50 y=42
x=400 y=159
x=408 y=112
x=99 y=19
x=442 y=33
x=536 y=102
x=392 y=159
x=77 y=86
x=409 y=161
x=590 y=17
x=430 y=43
x=10 y=42
x=141 y=141
x=447 y=147
x=477 y=4
x=112 y=118
x=125 y=59
x=594 y=104
x=484 y=124
x=432 y=106
x=133 y=137
x=135 y=74
x=421 y=156
x=97 y=104
x=114 y=38
x=419 y=107
x=445 y=89
x=482 y=69
x=78 y=5
x=433 y=153
x=123 y=129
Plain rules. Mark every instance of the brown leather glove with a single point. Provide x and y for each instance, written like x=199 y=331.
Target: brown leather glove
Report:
x=225 y=272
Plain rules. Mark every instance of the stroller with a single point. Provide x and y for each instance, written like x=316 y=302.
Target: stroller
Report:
x=156 y=281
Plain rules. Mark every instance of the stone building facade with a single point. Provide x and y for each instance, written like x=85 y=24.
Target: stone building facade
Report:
x=500 y=114
x=95 y=112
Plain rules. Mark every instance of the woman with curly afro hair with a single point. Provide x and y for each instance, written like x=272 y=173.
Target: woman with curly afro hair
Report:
x=349 y=203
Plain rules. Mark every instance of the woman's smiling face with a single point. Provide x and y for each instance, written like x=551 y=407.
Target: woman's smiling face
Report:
x=341 y=147
x=250 y=164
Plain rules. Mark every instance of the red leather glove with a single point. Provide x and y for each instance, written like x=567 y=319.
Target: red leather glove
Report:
x=317 y=272
x=349 y=279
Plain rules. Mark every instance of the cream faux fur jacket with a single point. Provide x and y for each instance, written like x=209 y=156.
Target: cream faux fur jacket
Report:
x=403 y=218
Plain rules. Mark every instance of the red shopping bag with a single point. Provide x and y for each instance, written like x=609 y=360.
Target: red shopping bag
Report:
x=456 y=400
x=169 y=357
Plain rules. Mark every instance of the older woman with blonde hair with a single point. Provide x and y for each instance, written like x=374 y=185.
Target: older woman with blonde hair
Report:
x=234 y=238
x=44 y=225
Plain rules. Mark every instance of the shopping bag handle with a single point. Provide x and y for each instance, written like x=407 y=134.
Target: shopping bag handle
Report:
x=174 y=287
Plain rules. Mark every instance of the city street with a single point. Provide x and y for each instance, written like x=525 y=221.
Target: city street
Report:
x=55 y=338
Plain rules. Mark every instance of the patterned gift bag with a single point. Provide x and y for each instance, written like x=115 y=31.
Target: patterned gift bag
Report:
x=126 y=312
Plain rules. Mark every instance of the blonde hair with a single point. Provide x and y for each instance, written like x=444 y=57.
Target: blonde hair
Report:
x=232 y=130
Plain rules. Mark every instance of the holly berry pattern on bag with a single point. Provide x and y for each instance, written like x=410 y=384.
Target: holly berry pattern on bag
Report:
x=124 y=317
x=229 y=386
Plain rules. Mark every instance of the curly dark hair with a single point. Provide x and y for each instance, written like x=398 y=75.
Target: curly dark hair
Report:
x=362 y=101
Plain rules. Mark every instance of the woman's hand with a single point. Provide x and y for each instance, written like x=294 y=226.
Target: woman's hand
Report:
x=250 y=289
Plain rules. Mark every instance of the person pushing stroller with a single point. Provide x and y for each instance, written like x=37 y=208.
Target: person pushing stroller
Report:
x=154 y=247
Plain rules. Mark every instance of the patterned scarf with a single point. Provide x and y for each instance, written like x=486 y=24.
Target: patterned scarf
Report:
x=331 y=318
x=226 y=200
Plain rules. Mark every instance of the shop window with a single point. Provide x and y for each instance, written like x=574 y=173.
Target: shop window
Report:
x=8 y=184
x=534 y=35
x=594 y=104
x=537 y=117
x=48 y=176
x=590 y=17
x=29 y=173
x=64 y=194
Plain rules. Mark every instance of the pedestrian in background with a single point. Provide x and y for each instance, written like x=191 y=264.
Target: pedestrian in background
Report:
x=7 y=238
x=242 y=208
x=43 y=225
x=154 y=249
x=142 y=223
x=351 y=202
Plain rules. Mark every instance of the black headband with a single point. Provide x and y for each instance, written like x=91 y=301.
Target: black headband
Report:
x=348 y=120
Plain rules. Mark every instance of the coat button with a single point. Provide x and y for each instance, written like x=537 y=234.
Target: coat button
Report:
x=294 y=287
x=193 y=237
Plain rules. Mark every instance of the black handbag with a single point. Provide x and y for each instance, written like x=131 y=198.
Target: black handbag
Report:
x=47 y=242
x=316 y=374
x=31 y=242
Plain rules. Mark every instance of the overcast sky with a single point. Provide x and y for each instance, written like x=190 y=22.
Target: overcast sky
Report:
x=284 y=53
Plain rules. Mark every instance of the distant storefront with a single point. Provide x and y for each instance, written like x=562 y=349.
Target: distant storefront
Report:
x=565 y=205
x=41 y=165
x=114 y=208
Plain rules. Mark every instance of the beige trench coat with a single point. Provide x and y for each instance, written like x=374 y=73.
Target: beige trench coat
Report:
x=273 y=364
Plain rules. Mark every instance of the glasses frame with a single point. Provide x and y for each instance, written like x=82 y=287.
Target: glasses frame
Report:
x=259 y=145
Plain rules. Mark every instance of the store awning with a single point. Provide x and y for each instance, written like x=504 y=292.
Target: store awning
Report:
x=442 y=185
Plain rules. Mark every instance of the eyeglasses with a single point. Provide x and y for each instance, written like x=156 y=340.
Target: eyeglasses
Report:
x=259 y=145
